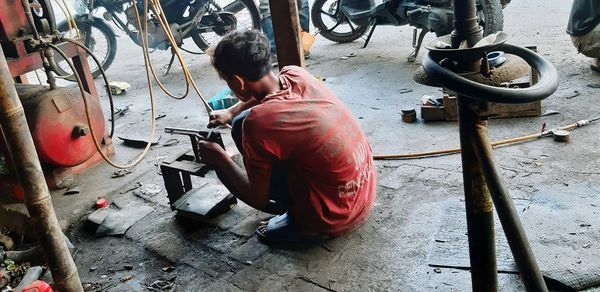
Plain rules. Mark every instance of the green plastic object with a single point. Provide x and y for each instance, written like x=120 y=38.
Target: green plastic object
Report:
x=223 y=99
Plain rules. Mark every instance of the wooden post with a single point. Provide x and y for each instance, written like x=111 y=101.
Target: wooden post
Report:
x=286 y=28
x=29 y=173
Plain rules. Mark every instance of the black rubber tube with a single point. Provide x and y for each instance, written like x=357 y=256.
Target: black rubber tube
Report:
x=547 y=84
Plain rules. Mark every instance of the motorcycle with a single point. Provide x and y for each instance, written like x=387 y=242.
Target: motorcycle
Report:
x=205 y=21
x=344 y=21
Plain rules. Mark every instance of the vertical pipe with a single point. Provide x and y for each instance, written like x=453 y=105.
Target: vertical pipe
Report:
x=515 y=234
x=478 y=203
x=29 y=173
x=286 y=28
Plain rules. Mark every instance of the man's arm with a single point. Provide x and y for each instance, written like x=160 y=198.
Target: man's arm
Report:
x=235 y=178
x=222 y=117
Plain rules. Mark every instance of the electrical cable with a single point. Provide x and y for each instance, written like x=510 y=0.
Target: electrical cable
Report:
x=157 y=9
x=103 y=74
x=444 y=152
x=140 y=156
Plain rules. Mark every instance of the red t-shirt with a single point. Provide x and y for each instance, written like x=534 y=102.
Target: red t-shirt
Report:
x=332 y=177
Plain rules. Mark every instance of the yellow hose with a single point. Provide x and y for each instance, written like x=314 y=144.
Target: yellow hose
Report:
x=436 y=153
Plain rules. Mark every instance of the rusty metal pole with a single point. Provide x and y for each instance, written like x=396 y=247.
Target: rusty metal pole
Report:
x=478 y=202
x=513 y=229
x=29 y=173
x=286 y=28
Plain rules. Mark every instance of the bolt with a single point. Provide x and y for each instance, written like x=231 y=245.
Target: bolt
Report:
x=80 y=131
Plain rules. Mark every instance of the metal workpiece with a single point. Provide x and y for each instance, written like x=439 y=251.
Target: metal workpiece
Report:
x=29 y=172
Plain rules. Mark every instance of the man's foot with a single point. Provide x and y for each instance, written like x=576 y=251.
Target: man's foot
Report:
x=596 y=66
x=281 y=232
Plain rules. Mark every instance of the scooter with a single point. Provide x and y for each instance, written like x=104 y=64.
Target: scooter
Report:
x=204 y=21
x=344 y=21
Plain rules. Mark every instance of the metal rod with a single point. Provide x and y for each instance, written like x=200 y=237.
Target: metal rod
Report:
x=286 y=28
x=515 y=234
x=478 y=203
x=29 y=173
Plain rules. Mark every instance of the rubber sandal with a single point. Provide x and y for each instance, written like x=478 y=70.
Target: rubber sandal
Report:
x=281 y=232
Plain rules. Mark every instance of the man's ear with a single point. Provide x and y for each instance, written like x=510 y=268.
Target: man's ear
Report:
x=239 y=83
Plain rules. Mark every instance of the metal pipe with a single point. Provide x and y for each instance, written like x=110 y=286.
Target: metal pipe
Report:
x=29 y=173
x=478 y=203
x=515 y=234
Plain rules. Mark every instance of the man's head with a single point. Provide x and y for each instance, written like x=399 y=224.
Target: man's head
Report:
x=242 y=57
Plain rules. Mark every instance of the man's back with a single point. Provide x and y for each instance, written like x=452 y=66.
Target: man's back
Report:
x=332 y=177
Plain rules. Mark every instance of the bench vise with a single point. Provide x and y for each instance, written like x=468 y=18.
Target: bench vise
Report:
x=202 y=203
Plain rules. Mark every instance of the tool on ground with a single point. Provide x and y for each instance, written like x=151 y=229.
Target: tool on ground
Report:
x=203 y=203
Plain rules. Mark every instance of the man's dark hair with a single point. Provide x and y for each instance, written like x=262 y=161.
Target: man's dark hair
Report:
x=243 y=53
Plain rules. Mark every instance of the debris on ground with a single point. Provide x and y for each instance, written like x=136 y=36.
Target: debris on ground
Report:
x=31 y=275
x=573 y=95
x=126 y=278
x=160 y=116
x=120 y=173
x=117 y=222
x=162 y=285
x=118 y=87
x=136 y=186
x=120 y=112
x=150 y=189
x=74 y=190
x=168 y=269
x=101 y=203
x=404 y=90
x=550 y=112
x=138 y=142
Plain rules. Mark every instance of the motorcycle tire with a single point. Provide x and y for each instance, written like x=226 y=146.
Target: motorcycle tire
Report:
x=490 y=16
x=206 y=40
x=318 y=11
x=106 y=57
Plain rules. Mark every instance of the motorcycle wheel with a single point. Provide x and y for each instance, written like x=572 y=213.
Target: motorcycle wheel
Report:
x=490 y=16
x=103 y=43
x=245 y=16
x=332 y=24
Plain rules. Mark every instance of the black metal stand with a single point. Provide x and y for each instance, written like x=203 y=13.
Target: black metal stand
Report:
x=482 y=183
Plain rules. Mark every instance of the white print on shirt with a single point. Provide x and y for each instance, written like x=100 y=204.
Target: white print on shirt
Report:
x=352 y=187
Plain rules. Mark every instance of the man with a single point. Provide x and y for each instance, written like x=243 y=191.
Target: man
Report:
x=584 y=28
x=266 y=23
x=305 y=156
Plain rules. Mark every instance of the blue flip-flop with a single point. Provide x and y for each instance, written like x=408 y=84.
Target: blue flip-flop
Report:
x=281 y=232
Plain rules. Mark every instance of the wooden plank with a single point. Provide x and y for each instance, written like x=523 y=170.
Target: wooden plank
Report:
x=286 y=28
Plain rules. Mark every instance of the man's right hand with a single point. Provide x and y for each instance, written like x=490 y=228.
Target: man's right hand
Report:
x=219 y=118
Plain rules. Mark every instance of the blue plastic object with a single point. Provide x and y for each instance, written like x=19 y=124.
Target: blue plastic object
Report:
x=223 y=99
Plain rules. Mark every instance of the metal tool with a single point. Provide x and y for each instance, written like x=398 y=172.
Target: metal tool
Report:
x=202 y=203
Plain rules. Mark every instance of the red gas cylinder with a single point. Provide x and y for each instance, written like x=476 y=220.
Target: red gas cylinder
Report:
x=58 y=124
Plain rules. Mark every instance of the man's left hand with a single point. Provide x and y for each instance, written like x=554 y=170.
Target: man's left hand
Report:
x=210 y=152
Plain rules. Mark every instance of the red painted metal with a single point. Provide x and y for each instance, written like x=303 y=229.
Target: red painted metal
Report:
x=58 y=124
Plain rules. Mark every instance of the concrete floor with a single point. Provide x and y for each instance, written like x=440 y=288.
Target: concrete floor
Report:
x=390 y=251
